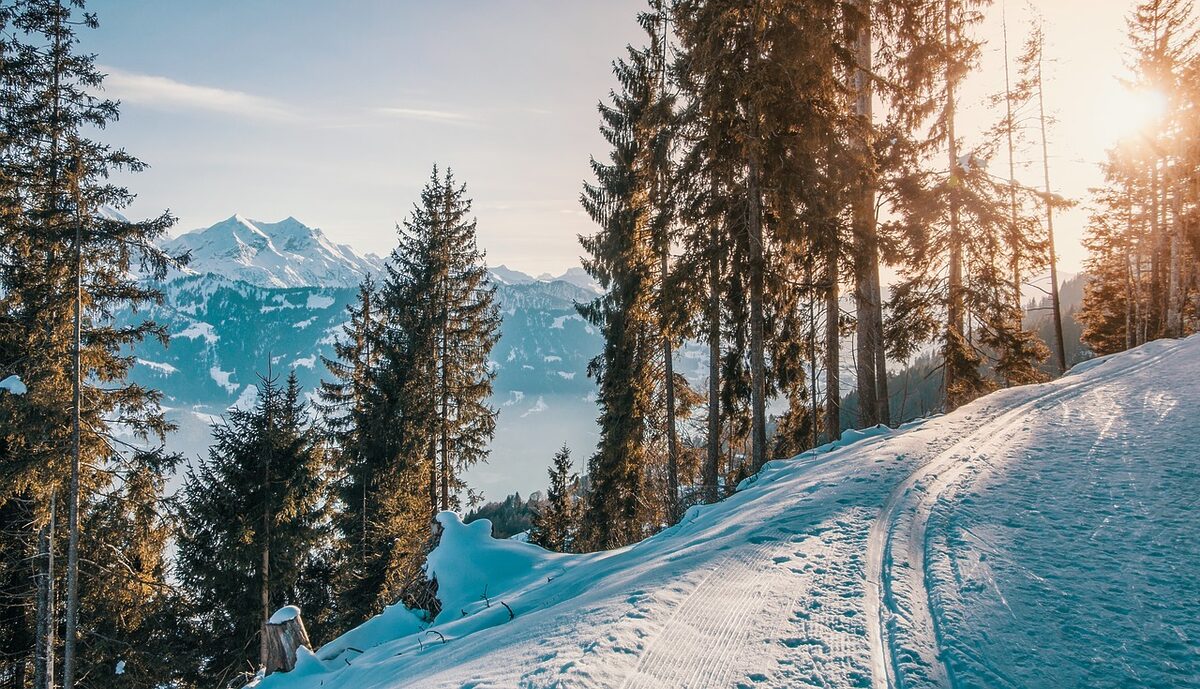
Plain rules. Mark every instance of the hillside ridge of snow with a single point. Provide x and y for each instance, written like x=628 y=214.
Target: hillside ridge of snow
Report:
x=849 y=565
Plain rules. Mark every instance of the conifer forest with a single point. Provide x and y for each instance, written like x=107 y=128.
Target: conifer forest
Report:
x=875 y=361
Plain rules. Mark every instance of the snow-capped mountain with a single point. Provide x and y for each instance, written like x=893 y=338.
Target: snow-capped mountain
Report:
x=274 y=295
x=287 y=253
x=576 y=276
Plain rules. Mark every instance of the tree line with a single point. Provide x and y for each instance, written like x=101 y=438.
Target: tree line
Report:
x=768 y=158
x=1143 y=236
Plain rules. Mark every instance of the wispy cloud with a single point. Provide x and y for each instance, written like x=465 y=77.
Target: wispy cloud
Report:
x=168 y=94
x=443 y=116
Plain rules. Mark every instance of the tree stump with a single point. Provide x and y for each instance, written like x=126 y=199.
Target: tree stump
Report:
x=285 y=633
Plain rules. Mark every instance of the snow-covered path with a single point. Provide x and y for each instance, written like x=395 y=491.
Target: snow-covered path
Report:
x=1040 y=537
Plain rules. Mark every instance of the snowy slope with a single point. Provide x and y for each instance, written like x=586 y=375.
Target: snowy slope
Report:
x=287 y=253
x=1040 y=537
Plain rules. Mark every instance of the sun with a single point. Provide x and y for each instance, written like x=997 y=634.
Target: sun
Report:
x=1132 y=113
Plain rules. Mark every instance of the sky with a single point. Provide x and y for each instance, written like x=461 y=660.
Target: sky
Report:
x=335 y=112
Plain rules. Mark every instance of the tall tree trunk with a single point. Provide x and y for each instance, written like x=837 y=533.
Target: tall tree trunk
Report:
x=1155 y=299
x=714 y=366
x=1014 y=232
x=431 y=449
x=73 y=496
x=264 y=593
x=809 y=276
x=44 y=653
x=669 y=374
x=1059 y=346
x=833 y=313
x=758 y=380
x=1175 y=262
x=445 y=411
x=868 y=333
x=954 y=302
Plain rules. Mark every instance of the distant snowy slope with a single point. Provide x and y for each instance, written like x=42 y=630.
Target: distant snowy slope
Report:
x=1043 y=536
x=287 y=253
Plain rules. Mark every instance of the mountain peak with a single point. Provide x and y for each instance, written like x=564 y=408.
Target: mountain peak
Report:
x=286 y=253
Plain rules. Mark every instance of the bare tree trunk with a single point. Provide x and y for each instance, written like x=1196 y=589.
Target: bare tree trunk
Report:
x=758 y=383
x=812 y=352
x=1175 y=289
x=868 y=330
x=954 y=305
x=264 y=592
x=833 y=312
x=1014 y=233
x=1059 y=345
x=714 y=367
x=69 y=633
x=669 y=374
x=44 y=652
x=445 y=419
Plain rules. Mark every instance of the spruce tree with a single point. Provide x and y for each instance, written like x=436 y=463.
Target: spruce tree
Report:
x=253 y=529
x=556 y=522
x=65 y=268
x=443 y=317
x=382 y=508
x=623 y=260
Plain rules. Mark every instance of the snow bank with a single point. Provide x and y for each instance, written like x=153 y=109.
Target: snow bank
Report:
x=395 y=622
x=474 y=571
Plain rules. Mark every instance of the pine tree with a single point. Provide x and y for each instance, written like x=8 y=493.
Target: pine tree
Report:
x=443 y=317
x=383 y=509
x=623 y=262
x=556 y=523
x=1143 y=266
x=253 y=528
x=65 y=268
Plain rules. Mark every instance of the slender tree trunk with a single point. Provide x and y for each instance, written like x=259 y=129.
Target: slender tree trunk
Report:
x=1155 y=306
x=954 y=305
x=812 y=351
x=1059 y=346
x=758 y=383
x=868 y=331
x=664 y=265
x=1175 y=261
x=264 y=593
x=44 y=653
x=669 y=374
x=73 y=497
x=714 y=365
x=445 y=418
x=1014 y=233
x=833 y=312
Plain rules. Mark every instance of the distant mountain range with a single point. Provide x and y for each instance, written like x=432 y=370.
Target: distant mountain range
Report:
x=261 y=296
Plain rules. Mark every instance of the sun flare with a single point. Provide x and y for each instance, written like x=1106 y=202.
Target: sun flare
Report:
x=1133 y=113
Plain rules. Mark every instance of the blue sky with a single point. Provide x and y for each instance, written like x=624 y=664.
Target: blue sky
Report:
x=334 y=112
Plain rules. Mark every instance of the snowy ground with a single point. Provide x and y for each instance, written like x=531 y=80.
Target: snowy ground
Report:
x=1041 y=537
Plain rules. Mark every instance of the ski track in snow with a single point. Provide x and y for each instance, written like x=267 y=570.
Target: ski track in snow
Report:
x=906 y=641
x=958 y=552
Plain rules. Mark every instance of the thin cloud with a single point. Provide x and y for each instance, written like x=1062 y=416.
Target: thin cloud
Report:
x=442 y=116
x=168 y=94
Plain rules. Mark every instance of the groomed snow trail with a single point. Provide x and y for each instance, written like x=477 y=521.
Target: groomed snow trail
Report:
x=906 y=642
x=925 y=557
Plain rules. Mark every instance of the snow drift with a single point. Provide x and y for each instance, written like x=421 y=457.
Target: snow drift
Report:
x=1039 y=537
